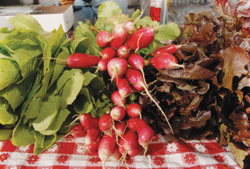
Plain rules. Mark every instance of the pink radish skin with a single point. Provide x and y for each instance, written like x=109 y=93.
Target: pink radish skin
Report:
x=117 y=113
x=145 y=135
x=123 y=51
x=123 y=87
x=135 y=78
x=103 y=38
x=119 y=31
x=93 y=147
x=117 y=67
x=78 y=131
x=105 y=123
x=119 y=36
x=141 y=38
x=88 y=121
x=81 y=60
x=135 y=123
x=120 y=128
x=135 y=151
x=102 y=65
x=108 y=53
x=117 y=99
x=171 y=49
x=134 y=110
x=130 y=26
x=165 y=61
x=136 y=61
x=116 y=154
x=92 y=135
x=106 y=148
x=130 y=141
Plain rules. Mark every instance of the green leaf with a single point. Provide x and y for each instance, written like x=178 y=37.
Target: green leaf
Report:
x=97 y=86
x=108 y=9
x=35 y=88
x=109 y=23
x=88 y=77
x=72 y=87
x=22 y=135
x=39 y=139
x=33 y=109
x=59 y=66
x=146 y=22
x=5 y=134
x=136 y=14
x=7 y=116
x=16 y=94
x=148 y=50
x=9 y=73
x=26 y=23
x=49 y=50
x=85 y=40
x=47 y=114
x=83 y=105
x=27 y=59
x=167 y=32
x=57 y=123
x=48 y=141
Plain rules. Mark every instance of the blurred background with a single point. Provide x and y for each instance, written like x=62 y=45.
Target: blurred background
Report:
x=163 y=11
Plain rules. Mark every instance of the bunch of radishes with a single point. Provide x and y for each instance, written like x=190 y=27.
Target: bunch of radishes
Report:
x=113 y=134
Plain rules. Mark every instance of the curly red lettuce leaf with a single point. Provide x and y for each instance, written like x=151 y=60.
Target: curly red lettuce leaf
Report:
x=235 y=61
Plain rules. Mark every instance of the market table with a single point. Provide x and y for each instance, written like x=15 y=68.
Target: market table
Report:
x=68 y=153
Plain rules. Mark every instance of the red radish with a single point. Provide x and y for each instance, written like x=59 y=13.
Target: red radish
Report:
x=136 y=79
x=123 y=87
x=88 y=121
x=136 y=61
x=141 y=38
x=106 y=123
x=117 y=113
x=117 y=99
x=171 y=49
x=119 y=31
x=123 y=51
x=116 y=154
x=108 y=53
x=93 y=147
x=106 y=148
x=165 y=60
x=117 y=42
x=145 y=135
x=130 y=26
x=135 y=123
x=81 y=60
x=129 y=141
x=92 y=135
x=135 y=151
x=119 y=36
x=120 y=128
x=102 y=65
x=117 y=67
x=103 y=38
x=134 y=110
x=77 y=131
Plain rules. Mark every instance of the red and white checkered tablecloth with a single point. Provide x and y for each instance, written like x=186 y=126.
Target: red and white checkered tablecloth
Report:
x=68 y=153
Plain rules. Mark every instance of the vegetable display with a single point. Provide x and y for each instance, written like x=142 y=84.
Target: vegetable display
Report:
x=121 y=81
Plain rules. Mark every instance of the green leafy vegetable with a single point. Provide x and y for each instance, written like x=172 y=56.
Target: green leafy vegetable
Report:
x=109 y=9
x=167 y=32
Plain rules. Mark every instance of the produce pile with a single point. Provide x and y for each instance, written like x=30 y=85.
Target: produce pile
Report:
x=119 y=82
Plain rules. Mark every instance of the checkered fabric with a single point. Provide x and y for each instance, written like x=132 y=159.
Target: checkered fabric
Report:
x=68 y=153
